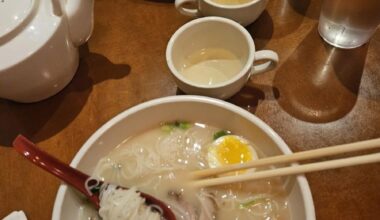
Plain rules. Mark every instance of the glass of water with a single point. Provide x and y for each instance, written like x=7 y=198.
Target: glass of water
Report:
x=348 y=23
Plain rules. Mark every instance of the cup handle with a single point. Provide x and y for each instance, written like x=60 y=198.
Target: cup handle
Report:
x=270 y=56
x=187 y=11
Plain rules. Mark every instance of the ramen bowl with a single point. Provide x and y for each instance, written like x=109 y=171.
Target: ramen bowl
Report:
x=189 y=108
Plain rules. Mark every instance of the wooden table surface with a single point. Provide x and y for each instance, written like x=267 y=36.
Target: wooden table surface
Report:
x=317 y=96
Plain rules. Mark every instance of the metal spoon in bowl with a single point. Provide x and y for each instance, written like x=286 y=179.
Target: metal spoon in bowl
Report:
x=74 y=177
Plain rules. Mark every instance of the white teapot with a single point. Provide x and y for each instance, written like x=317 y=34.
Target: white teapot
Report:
x=39 y=42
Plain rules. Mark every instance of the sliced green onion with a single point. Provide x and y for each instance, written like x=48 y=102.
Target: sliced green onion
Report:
x=169 y=126
x=221 y=133
x=251 y=203
x=184 y=125
x=95 y=189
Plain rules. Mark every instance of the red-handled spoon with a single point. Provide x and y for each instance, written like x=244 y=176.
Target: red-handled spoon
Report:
x=80 y=181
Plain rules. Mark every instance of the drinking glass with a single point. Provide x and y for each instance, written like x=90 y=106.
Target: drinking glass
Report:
x=348 y=24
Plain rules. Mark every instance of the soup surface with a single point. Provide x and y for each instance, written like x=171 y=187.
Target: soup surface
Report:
x=232 y=2
x=157 y=161
x=210 y=66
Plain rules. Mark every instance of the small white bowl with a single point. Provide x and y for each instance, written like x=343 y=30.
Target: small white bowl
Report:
x=191 y=108
x=221 y=33
x=245 y=13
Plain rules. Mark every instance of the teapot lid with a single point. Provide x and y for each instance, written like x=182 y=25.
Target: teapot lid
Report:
x=13 y=13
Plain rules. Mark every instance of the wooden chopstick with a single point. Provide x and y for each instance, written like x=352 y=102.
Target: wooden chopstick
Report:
x=305 y=168
x=299 y=156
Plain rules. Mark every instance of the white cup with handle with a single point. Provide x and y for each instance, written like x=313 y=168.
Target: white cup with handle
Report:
x=205 y=47
x=242 y=11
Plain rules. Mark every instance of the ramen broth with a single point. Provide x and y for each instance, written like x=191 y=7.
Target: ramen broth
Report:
x=231 y=2
x=156 y=162
x=211 y=66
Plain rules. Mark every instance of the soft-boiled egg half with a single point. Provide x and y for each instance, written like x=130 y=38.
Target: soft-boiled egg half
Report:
x=230 y=149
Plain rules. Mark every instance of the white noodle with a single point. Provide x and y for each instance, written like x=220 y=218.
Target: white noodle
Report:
x=124 y=204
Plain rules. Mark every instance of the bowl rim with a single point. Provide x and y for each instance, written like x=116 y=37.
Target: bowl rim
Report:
x=301 y=179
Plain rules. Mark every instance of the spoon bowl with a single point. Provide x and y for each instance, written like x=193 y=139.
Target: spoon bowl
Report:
x=80 y=181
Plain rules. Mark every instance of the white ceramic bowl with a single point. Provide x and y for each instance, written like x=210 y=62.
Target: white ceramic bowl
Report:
x=216 y=32
x=244 y=14
x=191 y=108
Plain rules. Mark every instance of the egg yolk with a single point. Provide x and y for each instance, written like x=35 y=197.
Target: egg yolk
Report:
x=231 y=150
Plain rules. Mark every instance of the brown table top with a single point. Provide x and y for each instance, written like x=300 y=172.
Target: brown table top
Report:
x=318 y=96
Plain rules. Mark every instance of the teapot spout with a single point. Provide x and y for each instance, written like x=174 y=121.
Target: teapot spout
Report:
x=80 y=15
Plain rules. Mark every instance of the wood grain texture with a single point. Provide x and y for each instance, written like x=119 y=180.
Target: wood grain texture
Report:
x=318 y=96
